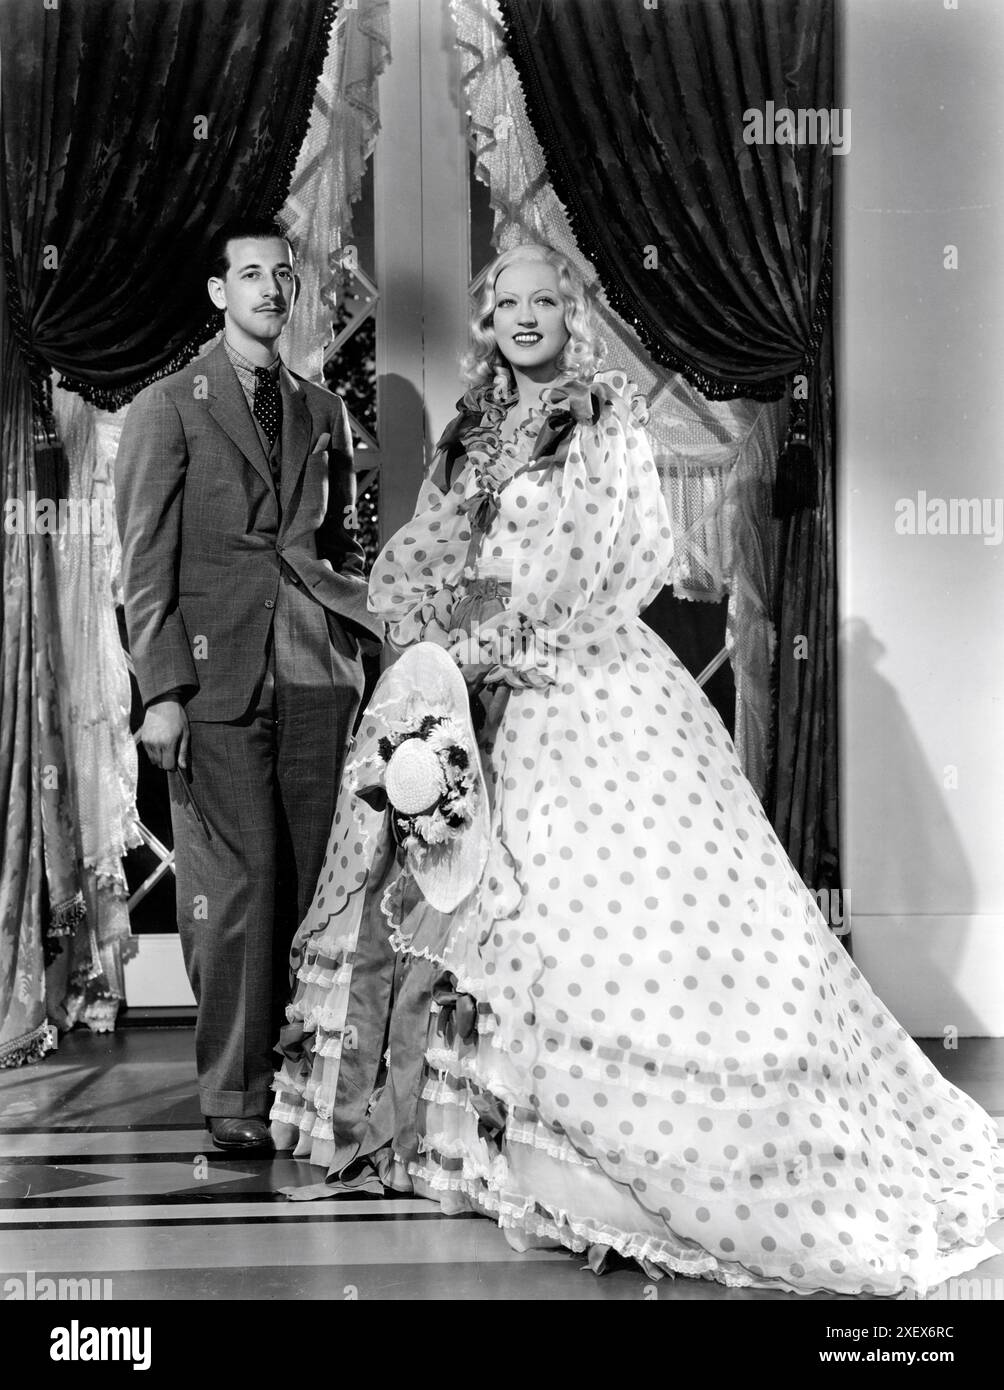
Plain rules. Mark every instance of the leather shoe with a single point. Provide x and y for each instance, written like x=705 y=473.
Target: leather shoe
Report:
x=245 y=1135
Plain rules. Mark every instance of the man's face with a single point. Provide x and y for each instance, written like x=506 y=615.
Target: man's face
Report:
x=259 y=289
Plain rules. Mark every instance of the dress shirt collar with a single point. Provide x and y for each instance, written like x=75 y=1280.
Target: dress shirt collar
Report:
x=246 y=369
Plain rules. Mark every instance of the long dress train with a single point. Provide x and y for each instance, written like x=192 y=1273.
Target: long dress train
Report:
x=674 y=1055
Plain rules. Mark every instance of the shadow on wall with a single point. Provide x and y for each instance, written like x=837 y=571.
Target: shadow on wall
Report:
x=898 y=787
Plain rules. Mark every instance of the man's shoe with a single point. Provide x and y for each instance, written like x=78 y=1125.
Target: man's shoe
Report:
x=248 y=1135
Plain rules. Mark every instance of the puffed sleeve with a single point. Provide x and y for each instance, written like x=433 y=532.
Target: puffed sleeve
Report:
x=414 y=581
x=589 y=568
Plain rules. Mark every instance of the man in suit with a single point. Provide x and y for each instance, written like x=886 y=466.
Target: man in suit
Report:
x=246 y=606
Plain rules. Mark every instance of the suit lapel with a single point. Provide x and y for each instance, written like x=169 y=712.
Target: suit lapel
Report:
x=229 y=408
x=296 y=432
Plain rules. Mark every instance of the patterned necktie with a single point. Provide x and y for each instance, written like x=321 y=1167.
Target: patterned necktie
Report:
x=267 y=402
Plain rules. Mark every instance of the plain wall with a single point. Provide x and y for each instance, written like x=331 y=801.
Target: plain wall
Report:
x=920 y=408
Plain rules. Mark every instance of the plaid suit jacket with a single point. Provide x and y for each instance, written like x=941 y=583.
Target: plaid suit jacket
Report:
x=202 y=541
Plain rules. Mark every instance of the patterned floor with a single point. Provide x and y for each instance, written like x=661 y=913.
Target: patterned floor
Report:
x=106 y=1174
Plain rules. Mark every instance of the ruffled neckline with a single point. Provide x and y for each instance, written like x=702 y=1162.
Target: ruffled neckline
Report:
x=567 y=400
x=476 y=427
x=480 y=400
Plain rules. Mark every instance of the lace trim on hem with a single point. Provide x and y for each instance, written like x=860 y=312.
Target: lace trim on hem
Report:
x=327 y=976
x=576 y=1233
x=467 y=1069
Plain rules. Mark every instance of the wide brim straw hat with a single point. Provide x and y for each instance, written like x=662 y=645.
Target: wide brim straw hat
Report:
x=424 y=681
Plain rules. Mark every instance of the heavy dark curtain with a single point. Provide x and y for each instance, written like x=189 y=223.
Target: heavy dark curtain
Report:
x=803 y=798
x=130 y=130
x=718 y=252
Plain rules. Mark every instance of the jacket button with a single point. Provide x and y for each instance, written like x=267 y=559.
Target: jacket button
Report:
x=270 y=603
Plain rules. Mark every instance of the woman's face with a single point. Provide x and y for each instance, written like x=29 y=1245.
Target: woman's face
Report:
x=529 y=318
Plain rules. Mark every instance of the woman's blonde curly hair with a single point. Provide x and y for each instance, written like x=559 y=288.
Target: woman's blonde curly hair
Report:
x=581 y=355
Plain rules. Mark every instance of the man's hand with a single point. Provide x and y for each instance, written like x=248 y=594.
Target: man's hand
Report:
x=164 y=734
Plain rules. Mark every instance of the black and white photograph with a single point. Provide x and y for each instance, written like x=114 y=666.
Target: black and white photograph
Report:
x=501 y=677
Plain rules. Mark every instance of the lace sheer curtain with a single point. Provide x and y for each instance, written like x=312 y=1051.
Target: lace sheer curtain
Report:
x=86 y=982
x=344 y=123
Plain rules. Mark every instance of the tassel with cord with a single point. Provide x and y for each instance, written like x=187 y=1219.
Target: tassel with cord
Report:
x=796 y=485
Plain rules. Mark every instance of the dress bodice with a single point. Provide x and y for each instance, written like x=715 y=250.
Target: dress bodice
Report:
x=524 y=495
x=571 y=519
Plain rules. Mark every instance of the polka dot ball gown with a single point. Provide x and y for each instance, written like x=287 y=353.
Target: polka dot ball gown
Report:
x=683 y=1062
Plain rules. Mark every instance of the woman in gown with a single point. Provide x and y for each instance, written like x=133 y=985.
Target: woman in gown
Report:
x=637 y=1033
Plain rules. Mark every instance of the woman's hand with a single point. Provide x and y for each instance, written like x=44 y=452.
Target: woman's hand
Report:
x=503 y=650
x=467 y=652
x=475 y=675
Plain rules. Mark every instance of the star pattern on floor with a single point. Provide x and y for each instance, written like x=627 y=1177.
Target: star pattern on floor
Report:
x=191 y=1178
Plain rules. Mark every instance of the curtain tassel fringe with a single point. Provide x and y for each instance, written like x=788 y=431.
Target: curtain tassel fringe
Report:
x=20 y=1052
x=796 y=486
x=67 y=916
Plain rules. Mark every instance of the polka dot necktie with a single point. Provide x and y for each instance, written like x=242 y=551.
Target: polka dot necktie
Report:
x=267 y=402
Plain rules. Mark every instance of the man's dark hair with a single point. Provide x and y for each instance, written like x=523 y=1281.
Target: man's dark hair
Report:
x=217 y=260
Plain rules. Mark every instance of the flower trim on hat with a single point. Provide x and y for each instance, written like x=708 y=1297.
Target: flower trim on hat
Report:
x=450 y=813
